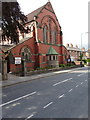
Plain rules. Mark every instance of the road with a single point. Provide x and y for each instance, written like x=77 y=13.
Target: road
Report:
x=60 y=96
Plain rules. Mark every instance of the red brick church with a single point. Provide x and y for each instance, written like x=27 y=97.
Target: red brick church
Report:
x=42 y=46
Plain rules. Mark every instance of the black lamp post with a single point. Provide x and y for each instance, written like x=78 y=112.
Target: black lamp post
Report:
x=81 y=55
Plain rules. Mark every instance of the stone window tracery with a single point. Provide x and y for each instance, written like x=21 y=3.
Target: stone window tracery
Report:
x=25 y=53
x=50 y=30
x=45 y=34
x=54 y=36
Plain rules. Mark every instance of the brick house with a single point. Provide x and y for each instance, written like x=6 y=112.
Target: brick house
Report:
x=88 y=53
x=42 y=46
x=75 y=52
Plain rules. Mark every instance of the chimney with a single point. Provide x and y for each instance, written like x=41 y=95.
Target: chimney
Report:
x=67 y=45
x=71 y=45
x=83 y=49
x=76 y=46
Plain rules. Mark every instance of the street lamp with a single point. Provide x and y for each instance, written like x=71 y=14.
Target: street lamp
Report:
x=81 y=37
x=81 y=55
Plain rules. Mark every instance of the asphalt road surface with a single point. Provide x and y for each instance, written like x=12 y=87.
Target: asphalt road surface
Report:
x=60 y=96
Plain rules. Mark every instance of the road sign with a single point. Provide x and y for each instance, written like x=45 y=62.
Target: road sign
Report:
x=17 y=60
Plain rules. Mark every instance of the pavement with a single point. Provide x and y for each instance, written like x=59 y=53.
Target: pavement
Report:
x=12 y=79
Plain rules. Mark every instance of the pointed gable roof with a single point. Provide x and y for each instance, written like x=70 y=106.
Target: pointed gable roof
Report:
x=47 y=6
x=31 y=15
x=52 y=51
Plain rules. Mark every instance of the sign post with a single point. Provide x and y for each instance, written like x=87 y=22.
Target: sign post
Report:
x=24 y=68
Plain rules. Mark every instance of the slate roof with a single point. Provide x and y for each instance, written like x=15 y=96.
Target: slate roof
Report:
x=52 y=51
x=5 y=48
x=31 y=15
x=75 y=49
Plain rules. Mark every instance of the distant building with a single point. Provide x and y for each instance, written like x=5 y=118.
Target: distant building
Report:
x=75 y=52
x=88 y=53
x=42 y=46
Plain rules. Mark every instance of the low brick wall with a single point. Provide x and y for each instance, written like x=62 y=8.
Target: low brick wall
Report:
x=50 y=70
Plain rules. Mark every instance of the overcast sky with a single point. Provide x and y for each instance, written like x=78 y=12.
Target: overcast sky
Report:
x=72 y=16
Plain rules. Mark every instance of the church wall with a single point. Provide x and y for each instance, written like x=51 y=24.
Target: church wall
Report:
x=38 y=48
x=42 y=19
x=16 y=52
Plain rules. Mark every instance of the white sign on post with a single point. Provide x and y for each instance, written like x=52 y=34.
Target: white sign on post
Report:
x=17 y=60
x=68 y=60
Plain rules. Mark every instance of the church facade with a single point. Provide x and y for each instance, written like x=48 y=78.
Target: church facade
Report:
x=42 y=46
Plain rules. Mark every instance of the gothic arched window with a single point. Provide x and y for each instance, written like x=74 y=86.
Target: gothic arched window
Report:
x=54 y=37
x=45 y=34
x=25 y=53
x=52 y=31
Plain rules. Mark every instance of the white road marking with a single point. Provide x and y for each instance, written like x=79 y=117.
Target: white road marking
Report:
x=17 y=99
x=81 y=83
x=77 y=85
x=62 y=81
x=70 y=90
x=7 y=107
x=29 y=117
x=4 y=95
x=80 y=74
x=85 y=80
x=18 y=103
x=14 y=105
x=47 y=105
x=61 y=96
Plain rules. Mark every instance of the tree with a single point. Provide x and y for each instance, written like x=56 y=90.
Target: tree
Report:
x=13 y=21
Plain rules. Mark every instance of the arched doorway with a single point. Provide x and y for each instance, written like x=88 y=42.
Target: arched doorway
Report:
x=10 y=60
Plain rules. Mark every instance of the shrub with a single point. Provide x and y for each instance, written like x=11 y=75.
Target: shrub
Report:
x=85 y=61
x=62 y=65
x=68 y=64
x=73 y=63
x=33 y=70
x=38 y=68
x=48 y=67
x=88 y=60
